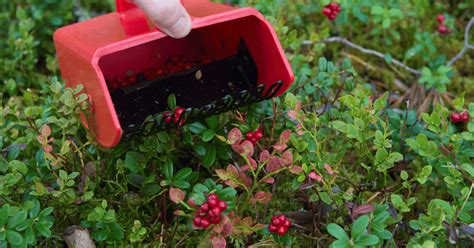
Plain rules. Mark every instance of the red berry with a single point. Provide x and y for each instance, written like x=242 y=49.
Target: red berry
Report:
x=204 y=208
x=287 y=223
x=272 y=228
x=222 y=205
x=215 y=220
x=167 y=116
x=276 y=221
x=282 y=230
x=215 y=212
x=338 y=9
x=455 y=117
x=442 y=29
x=197 y=221
x=253 y=140
x=332 y=17
x=440 y=18
x=249 y=135
x=282 y=218
x=333 y=6
x=212 y=203
x=212 y=196
x=205 y=223
x=177 y=116
x=327 y=11
x=258 y=135
x=464 y=117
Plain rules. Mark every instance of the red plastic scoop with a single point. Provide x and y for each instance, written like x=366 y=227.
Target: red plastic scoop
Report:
x=231 y=57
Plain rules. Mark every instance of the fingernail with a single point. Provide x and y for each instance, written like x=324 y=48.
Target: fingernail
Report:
x=181 y=28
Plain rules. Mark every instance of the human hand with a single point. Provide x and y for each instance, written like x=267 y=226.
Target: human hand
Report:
x=168 y=15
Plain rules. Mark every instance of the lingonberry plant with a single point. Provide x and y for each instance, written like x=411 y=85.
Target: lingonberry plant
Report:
x=372 y=146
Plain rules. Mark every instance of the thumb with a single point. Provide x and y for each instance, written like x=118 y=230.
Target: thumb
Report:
x=168 y=15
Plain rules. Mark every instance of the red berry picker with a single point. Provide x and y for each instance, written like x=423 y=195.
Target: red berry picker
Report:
x=232 y=58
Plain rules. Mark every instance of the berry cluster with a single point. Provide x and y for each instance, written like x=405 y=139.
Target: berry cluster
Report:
x=254 y=137
x=331 y=11
x=280 y=225
x=209 y=212
x=168 y=116
x=171 y=66
x=462 y=117
x=442 y=28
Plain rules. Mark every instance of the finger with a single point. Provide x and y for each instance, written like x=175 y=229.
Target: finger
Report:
x=168 y=15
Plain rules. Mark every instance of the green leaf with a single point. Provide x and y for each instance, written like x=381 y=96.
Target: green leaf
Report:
x=325 y=197
x=213 y=122
x=290 y=100
x=14 y=238
x=172 y=101
x=340 y=244
x=227 y=194
x=337 y=232
x=367 y=240
x=182 y=184
x=200 y=189
x=322 y=64
x=3 y=164
x=376 y=10
x=17 y=219
x=168 y=169
x=30 y=236
x=208 y=135
x=182 y=174
x=45 y=212
x=19 y=166
x=133 y=161
x=210 y=156
x=388 y=58
x=4 y=214
x=359 y=226
x=404 y=175
x=197 y=128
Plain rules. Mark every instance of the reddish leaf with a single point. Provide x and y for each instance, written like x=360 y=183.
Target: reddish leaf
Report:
x=274 y=164
x=222 y=174
x=280 y=147
x=176 y=195
x=218 y=242
x=285 y=137
x=234 y=136
x=293 y=115
x=315 y=176
x=247 y=148
x=328 y=169
x=362 y=209
x=299 y=129
x=48 y=149
x=287 y=158
x=296 y=170
x=262 y=197
x=237 y=148
x=179 y=213
x=270 y=180
x=264 y=156
x=45 y=130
